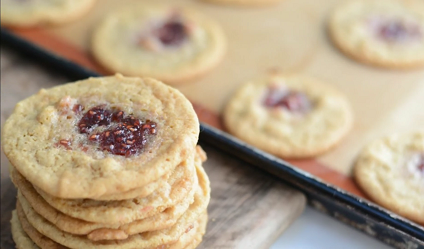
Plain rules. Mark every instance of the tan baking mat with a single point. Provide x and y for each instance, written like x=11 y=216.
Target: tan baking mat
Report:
x=290 y=37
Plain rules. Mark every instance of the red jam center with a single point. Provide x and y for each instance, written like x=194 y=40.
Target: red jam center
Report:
x=421 y=164
x=292 y=101
x=125 y=135
x=397 y=31
x=172 y=33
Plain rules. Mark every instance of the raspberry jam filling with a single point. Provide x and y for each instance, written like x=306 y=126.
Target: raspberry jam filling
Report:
x=172 y=33
x=293 y=101
x=114 y=131
x=392 y=30
x=421 y=164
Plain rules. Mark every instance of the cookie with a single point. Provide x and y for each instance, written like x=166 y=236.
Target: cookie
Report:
x=21 y=239
x=28 y=13
x=245 y=2
x=97 y=231
x=193 y=237
x=138 y=192
x=39 y=239
x=289 y=116
x=87 y=140
x=163 y=220
x=385 y=33
x=390 y=171
x=28 y=197
x=181 y=187
x=190 y=239
x=144 y=240
x=170 y=216
x=174 y=45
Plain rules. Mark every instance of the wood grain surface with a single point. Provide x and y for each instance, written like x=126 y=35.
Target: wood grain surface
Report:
x=248 y=209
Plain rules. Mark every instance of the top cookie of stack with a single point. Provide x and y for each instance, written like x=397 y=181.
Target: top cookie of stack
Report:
x=119 y=167
x=63 y=140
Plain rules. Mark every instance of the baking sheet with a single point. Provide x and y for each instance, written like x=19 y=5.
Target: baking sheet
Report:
x=289 y=37
x=334 y=201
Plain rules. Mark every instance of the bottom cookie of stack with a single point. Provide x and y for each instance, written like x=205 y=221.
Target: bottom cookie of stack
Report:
x=24 y=234
x=20 y=237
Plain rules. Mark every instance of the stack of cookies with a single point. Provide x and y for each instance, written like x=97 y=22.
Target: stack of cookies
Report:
x=107 y=163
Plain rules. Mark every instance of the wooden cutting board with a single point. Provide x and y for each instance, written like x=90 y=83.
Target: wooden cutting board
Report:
x=248 y=208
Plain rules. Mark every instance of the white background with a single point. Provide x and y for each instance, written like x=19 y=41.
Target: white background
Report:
x=317 y=230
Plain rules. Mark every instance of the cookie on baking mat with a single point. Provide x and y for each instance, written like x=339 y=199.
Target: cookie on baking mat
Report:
x=391 y=171
x=289 y=116
x=245 y=2
x=386 y=33
x=27 y=13
x=171 y=44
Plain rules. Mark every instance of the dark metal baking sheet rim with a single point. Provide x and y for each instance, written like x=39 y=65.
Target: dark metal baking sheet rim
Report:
x=357 y=212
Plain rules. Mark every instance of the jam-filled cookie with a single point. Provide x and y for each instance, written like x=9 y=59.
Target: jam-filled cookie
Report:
x=288 y=116
x=100 y=136
x=391 y=171
x=40 y=12
x=245 y=2
x=386 y=33
x=174 y=45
